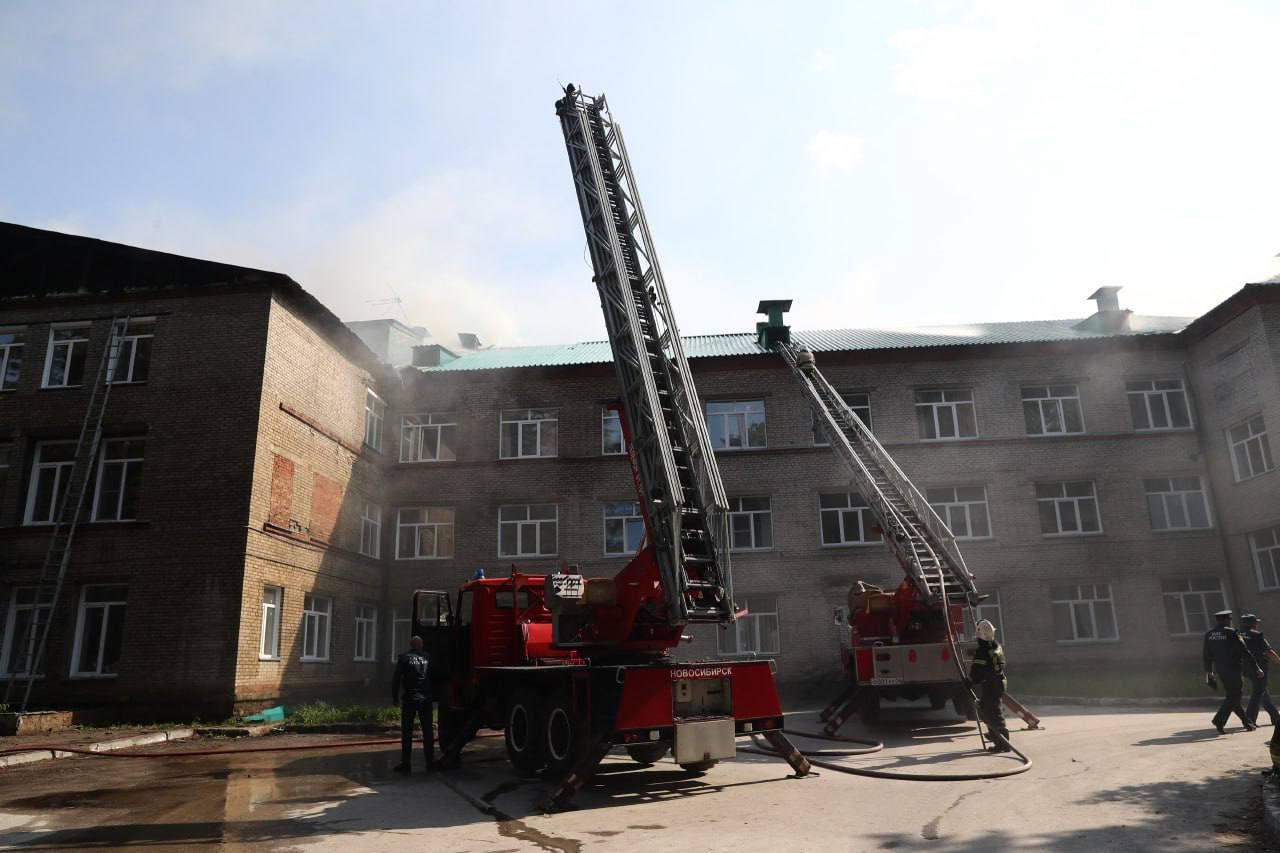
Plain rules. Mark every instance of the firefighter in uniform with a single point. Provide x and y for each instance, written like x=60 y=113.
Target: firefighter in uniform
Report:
x=411 y=690
x=1223 y=655
x=987 y=674
x=1262 y=653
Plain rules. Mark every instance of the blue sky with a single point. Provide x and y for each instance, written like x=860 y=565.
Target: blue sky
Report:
x=880 y=163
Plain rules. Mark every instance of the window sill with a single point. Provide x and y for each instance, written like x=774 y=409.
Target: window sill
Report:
x=1056 y=434
x=1175 y=530
x=1149 y=430
x=365 y=660
x=838 y=545
x=1253 y=477
x=1111 y=642
x=426 y=461
x=92 y=676
x=315 y=660
x=956 y=439
x=527 y=458
x=7 y=677
x=614 y=453
x=269 y=658
x=423 y=559
x=1083 y=535
x=60 y=387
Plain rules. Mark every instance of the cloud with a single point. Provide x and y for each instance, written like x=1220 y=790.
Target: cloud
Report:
x=835 y=152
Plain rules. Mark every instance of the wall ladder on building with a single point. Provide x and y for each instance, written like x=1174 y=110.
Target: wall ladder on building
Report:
x=67 y=513
x=682 y=496
x=921 y=541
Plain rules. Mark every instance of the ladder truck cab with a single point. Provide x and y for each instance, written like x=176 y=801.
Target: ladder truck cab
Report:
x=898 y=648
x=570 y=665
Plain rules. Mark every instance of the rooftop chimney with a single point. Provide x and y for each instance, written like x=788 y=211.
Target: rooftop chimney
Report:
x=1110 y=317
x=432 y=355
x=469 y=341
x=773 y=330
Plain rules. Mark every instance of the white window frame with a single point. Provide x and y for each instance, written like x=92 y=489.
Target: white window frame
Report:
x=7 y=351
x=952 y=400
x=1255 y=439
x=737 y=513
x=396 y=622
x=520 y=525
x=129 y=352
x=426 y=430
x=1266 y=556
x=744 y=414
x=1206 y=609
x=951 y=510
x=40 y=612
x=626 y=519
x=62 y=474
x=855 y=504
x=1156 y=399
x=749 y=627
x=859 y=402
x=129 y=478
x=1075 y=500
x=988 y=609
x=375 y=412
x=315 y=618
x=1056 y=399
x=371 y=530
x=82 y=614
x=433 y=519
x=71 y=344
x=272 y=607
x=536 y=421
x=1089 y=605
x=366 y=633
x=606 y=415
x=1179 y=500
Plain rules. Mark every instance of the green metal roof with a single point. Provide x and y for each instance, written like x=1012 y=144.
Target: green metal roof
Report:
x=830 y=340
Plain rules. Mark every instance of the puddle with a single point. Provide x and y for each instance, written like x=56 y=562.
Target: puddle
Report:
x=521 y=831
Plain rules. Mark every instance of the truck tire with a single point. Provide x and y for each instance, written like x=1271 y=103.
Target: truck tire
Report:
x=523 y=733
x=962 y=704
x=699 y=766
x=647 y=753
x=562 y=731
x=869 y=706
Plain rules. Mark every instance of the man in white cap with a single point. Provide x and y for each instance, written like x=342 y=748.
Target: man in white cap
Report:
x=986 y=673
x=1223 y=654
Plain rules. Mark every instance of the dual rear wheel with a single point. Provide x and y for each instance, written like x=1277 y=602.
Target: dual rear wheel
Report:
x=543 y=732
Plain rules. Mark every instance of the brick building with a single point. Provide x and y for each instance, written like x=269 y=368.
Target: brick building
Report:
x=219 y=563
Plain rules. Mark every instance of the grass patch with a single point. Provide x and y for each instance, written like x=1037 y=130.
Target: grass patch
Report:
x=322 y=713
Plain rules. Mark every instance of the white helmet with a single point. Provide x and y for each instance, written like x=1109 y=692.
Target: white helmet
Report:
x=985 y=630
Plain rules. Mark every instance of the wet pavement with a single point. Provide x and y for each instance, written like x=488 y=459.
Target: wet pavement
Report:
x=1102 y=781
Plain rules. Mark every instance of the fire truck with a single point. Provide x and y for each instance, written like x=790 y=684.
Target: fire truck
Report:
x=567 y=665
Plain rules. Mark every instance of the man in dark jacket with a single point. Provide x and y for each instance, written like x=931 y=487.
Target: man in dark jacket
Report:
x=1262 y=654
x=1223 y=655
x=987 y=675
x=411 y=690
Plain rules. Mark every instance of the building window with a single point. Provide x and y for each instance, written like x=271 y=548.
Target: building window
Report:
x=1250 y=449
x=366 y=632
x=750 y=524
x=623 y=528
x=1159 y=404
x=1068 y=508
x=12 y=346
x=964 y=509
x=846 y=519
x=64 y=365
x=1177 y=503
x=989 y=610
x=529 y=433
x=1052 y=409
x=375 y=410
x=269 y=639
x=316 y=611
x=133 y=364
x=611 y=440
x=756 y=633
x=99 y=631
x=371 y=530
x=946 y=414
x=401 y=632
x=424 y=533
x=860 y=402
x=115 y=497
x=1083 y=613
x=428 y=438
x=1265 y=545
x=528 y=530
x=1189 y=604
x=20 y=640
x=736 y=424
x=50 y=476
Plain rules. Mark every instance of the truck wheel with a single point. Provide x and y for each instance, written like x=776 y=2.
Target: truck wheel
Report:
x=869 y=706
x=937 y=699
x=699 y=766
x=647 y=753
x=962 y=704
x=562 y=734
x=523 y=733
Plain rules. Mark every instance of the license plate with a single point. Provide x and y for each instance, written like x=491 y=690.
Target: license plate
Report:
x=885 y=682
